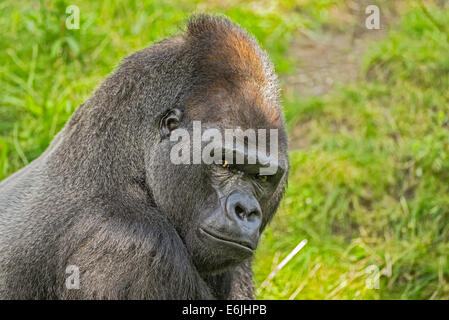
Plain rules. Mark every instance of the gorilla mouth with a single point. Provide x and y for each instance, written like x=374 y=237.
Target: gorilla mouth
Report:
x=239 y=243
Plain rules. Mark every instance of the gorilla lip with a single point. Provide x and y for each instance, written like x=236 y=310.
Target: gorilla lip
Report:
x=241 y=244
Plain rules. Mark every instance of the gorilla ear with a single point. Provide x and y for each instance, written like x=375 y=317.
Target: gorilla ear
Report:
x=169 y=122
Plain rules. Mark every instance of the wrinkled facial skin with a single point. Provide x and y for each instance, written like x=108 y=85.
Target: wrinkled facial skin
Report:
x=218 y=210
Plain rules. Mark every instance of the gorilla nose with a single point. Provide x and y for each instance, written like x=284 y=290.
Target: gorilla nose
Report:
x=244 y=210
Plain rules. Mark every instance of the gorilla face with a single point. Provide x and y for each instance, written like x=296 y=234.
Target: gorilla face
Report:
x=231 y=224
x=218 y=209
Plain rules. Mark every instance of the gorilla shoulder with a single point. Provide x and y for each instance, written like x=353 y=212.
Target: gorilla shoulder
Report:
x=107 y=199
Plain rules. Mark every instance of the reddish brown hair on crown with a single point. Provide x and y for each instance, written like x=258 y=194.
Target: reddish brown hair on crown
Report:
x=227 y=54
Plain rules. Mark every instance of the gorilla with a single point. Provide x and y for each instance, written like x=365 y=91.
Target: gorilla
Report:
x=106 y=199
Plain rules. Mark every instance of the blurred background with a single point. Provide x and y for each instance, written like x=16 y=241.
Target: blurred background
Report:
x=367 y=113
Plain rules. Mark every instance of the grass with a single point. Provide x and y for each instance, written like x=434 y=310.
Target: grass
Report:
x=369 y=191
x=372 y=188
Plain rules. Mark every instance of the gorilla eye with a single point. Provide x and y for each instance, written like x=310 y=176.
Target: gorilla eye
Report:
x=262 y=178
x=172 y=124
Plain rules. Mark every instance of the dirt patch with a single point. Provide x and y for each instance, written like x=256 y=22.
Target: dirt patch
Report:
x=333 y=56
x=322 y=63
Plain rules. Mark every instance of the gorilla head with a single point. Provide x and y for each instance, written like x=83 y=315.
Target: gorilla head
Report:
x=108 y=197
x=220 y=209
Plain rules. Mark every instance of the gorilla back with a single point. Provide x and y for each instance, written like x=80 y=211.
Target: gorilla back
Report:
x=106 y=201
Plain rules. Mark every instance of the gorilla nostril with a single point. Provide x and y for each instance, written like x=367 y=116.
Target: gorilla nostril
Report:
x=239 y=211
x=254 y=214
x=243 y=208
x=242 y=212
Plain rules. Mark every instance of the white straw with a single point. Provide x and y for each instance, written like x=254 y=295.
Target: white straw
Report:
x=293 y=253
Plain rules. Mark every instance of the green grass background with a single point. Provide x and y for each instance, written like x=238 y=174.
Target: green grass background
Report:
x=371 y=188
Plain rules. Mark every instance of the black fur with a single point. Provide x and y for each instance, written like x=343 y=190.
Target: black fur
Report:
x=104 y=196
